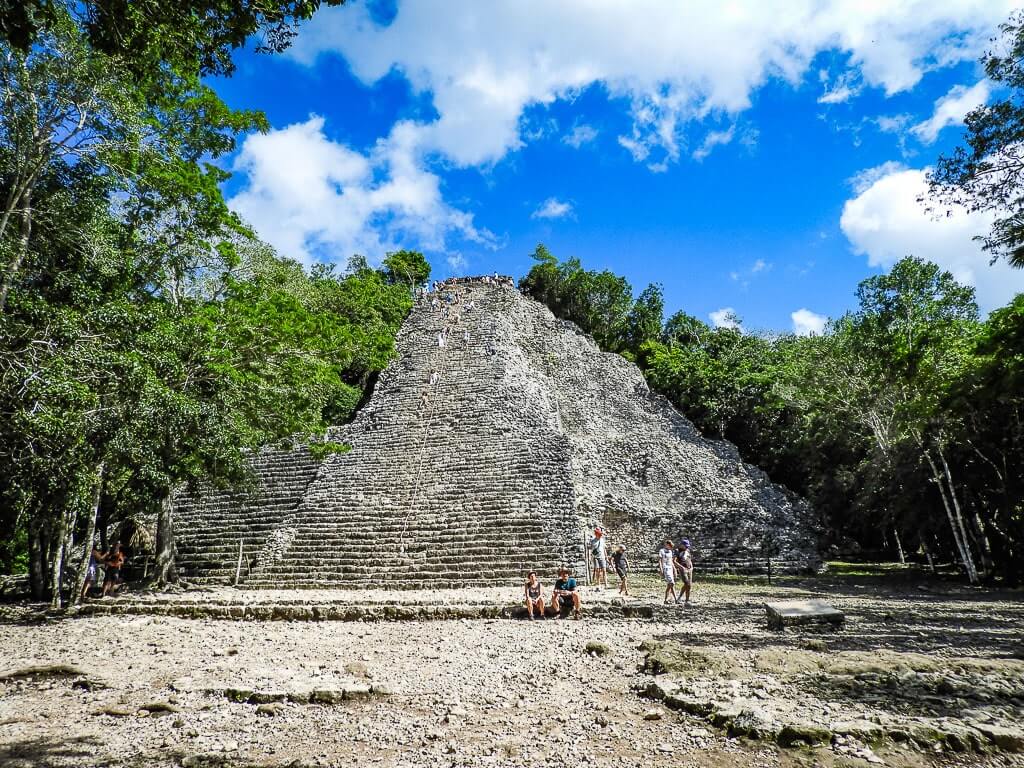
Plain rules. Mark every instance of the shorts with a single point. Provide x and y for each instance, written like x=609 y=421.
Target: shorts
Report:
x=90 y=573
x=113 y=576
x=668 y=576
x=688 y=577
x=534 y=600
x=601 y=562
x=621 y=573
x=567 y=599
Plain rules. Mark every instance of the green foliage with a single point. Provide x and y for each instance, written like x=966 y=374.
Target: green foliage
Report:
x=987 y=174
x=148 y=35
x=322 y=449
x=407 y=267
x=601 y=303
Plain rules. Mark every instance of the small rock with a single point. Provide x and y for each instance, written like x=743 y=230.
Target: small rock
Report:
x=268 y=710
x=652 y=714
x=597 y=648
x=116 y=712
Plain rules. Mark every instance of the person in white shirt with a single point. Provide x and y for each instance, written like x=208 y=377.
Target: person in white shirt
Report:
x=666 y=563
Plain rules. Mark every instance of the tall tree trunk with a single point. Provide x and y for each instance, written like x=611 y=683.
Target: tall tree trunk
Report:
x=972 y=570
x=958 y=539
x=90 y=533
x=57 y=559
x=164 y=570
x=899 y=546
x=14 y=266
x=37 y=561
x=928 y=555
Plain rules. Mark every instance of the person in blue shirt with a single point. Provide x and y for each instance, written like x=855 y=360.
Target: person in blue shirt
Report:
x=565 y=592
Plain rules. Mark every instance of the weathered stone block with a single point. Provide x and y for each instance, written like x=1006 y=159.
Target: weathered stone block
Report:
x=800 y=612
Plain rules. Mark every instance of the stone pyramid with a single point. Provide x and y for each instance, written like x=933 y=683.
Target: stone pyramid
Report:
x=491 y=445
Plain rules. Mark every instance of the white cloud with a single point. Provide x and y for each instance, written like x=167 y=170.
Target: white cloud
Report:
x=892 y=123
x=807 y=323
x=579 y=135
x=951 y=109
x=314 y=199
x=863 y=180
x=484 y=63
x=843 y=89
x=744 y=276
x=726 y=317
x=885 y=222
x=457 y=263
x=552 y=208
x=712 y=140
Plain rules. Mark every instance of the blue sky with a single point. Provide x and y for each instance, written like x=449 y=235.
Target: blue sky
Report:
x=756 y=156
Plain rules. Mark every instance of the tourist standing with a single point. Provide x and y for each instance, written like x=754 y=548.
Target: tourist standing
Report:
x=534 y=595
x=90 y=572
x=113 y=560
x=666 y=563
x=621 y=568
x=684 y=561
x=599 y=551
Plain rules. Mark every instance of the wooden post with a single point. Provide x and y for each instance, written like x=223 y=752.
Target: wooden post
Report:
x=238 y=570
x=769 y=570
x=586 y=555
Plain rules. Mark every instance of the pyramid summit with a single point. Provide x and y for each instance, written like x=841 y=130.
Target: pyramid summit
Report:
x=491 y=445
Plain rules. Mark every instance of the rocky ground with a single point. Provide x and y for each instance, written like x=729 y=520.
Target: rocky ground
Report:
x=915 y=678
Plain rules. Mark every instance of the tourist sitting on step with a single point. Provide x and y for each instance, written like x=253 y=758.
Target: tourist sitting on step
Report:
x=424 y=398
x=534 y=595
x=565 y=594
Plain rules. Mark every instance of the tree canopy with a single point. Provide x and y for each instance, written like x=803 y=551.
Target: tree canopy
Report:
x=149 y=35
x=988 y=173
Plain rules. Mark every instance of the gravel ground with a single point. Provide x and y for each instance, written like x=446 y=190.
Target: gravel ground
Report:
x=466 y=692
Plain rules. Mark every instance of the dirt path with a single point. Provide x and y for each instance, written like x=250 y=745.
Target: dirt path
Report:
x=467 y=692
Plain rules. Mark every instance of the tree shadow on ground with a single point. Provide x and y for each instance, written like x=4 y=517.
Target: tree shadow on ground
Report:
x=43 y=753
x=79 y=752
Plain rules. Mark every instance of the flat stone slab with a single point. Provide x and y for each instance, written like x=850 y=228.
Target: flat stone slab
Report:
x=796 y=612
